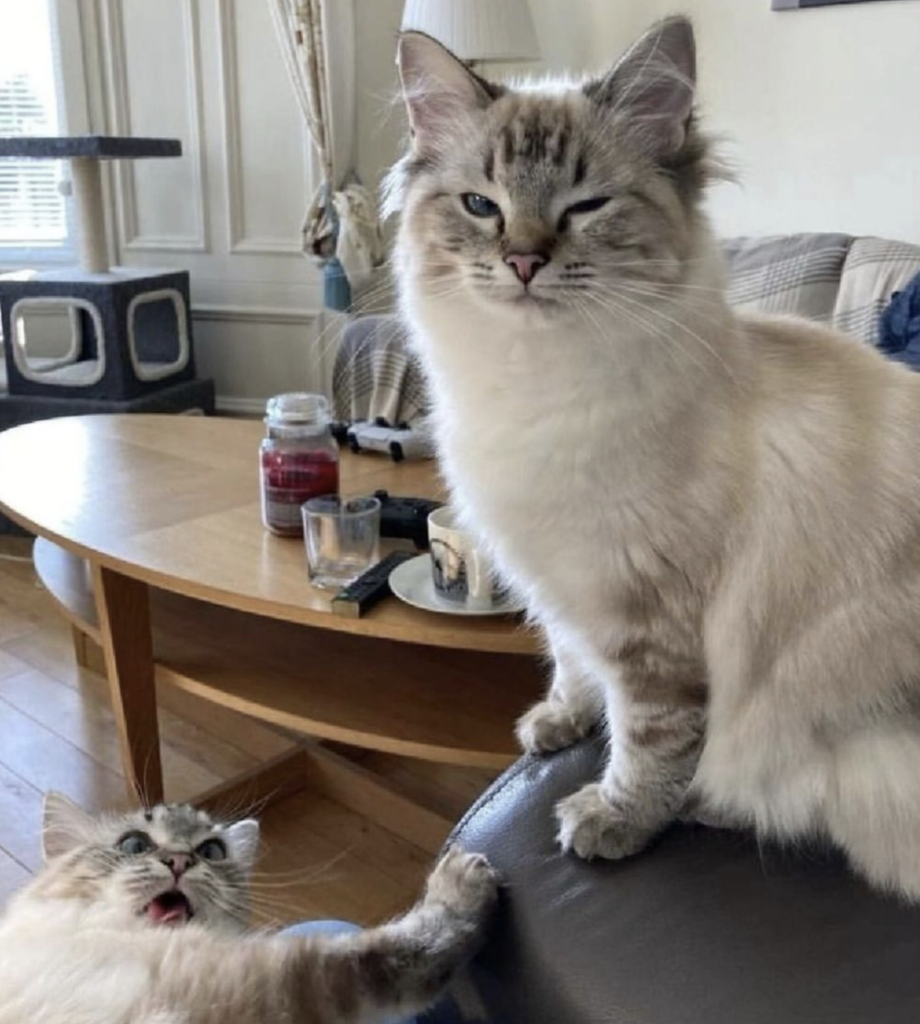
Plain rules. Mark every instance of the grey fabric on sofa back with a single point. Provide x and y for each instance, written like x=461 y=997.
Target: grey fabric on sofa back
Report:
x=797 y=274
x=837 y=279
x=875 y=268
x=840 y=280
x=375 y=375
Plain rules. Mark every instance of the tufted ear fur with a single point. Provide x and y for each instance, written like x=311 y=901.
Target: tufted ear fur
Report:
x=244 y=841
x=653 y=85
x=65 y=825
x=438 y=89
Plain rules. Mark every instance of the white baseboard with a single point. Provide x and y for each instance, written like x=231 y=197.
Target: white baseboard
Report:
x=254 y=407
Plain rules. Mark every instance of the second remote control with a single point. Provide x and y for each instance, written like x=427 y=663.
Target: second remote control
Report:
x=370 y=587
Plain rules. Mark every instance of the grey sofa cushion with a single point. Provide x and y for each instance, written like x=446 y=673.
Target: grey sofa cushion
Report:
x=875 y=268
x=797 y=274
x=704 y=928
x=376 y=375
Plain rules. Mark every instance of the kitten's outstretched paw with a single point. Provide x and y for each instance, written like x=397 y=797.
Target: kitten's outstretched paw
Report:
x=551 y=725
x=464 y=883
x=592 y=827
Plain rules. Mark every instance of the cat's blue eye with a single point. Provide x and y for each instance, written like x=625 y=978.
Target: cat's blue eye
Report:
x=586 y=206
x=212 y=849
x=479 y=206
x=135 y=843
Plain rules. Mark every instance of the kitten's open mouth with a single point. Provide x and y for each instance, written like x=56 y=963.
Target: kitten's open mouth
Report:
x=169 y=908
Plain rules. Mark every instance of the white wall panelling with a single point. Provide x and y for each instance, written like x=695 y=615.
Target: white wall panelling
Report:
x=230 y=209
x=154 y=85
x=269 y=171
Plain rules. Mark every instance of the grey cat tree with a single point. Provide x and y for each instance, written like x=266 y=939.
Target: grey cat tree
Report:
x=131 y=347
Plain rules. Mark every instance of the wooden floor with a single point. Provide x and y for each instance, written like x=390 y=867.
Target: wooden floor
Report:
x=57 y=732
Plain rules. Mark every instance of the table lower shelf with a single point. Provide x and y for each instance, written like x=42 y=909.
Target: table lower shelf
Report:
x=450 y=706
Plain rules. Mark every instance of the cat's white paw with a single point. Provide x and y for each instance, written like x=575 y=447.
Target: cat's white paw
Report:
x=551 y=725
x=465 y=883
x=592 y=827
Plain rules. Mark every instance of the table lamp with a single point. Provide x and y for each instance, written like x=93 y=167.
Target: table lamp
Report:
x=477 y=30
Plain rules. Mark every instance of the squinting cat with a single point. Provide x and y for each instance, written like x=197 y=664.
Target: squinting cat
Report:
x=140 y=919
x=715 y=518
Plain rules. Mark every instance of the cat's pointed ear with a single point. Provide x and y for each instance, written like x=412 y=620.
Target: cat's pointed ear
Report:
x=65 y=825
x=439 y=89
x=653 y=84
x=243 y=837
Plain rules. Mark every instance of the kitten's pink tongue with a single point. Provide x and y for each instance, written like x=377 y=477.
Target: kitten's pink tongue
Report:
x=170 y=908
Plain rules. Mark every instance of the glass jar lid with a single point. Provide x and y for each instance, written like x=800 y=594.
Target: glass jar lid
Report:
x=297 y=408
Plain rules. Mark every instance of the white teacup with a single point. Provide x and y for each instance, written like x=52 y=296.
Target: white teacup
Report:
x=462 y=573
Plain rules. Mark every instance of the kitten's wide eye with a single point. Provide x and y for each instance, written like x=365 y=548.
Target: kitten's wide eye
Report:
x=479 y=206
x=586 y=206
x=135 y=843
x=212 y=849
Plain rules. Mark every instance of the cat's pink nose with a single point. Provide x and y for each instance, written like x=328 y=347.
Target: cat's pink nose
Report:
x=178 y=863
x=526 y=264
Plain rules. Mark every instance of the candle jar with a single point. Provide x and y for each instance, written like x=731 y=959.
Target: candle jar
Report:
x=299 y=459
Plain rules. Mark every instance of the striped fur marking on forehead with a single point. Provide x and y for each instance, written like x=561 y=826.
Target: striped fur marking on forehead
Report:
x=178 y=822
x=535 y=137
x=534 y=130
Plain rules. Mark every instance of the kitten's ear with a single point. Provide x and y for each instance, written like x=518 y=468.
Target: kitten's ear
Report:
x=653 y=84
x=65 y=825
x=244 y=841
x=438 y=89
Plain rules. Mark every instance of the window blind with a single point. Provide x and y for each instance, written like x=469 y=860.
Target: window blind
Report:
x=32 y=213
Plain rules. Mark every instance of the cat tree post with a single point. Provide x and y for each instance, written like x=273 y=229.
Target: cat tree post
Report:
x=87 y=198
x=85 y=153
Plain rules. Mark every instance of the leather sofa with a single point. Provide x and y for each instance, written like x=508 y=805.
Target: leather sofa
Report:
x=705 y=927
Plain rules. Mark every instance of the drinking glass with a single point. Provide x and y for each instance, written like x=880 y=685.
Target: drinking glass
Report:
x=342 y=538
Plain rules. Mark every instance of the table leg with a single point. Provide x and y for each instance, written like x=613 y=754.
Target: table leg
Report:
x=79 y=647
x=123 y=606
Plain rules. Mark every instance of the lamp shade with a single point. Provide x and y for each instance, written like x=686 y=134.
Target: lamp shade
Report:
x=476 y=30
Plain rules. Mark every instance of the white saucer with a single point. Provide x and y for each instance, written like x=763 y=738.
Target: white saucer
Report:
x=411 y=582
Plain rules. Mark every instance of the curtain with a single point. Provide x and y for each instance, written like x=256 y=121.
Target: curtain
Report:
x=340 y=229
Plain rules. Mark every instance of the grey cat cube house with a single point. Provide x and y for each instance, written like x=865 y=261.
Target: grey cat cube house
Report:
x=131 y=329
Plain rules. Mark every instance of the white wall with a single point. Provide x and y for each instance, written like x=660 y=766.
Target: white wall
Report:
x=821 y=105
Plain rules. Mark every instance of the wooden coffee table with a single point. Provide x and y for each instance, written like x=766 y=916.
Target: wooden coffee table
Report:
x=150 y=541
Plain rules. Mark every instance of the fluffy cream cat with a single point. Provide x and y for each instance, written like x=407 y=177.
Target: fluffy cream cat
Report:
x=140 y=919
x=715 y=518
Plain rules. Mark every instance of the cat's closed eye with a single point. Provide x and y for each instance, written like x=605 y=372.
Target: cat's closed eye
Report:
x=584 y=206
x=479 y=206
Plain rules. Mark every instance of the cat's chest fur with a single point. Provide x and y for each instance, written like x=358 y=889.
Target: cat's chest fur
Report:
x=63 y=964
x=565 y=463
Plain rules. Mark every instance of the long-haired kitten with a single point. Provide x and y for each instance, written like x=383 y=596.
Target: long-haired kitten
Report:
x=715 y=518
x=141 y=919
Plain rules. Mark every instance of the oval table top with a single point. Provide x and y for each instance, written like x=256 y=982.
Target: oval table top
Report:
x=174 y=501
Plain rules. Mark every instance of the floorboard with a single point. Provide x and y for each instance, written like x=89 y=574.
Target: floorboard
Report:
x=57 y=732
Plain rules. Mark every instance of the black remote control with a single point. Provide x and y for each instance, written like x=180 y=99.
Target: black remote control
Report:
x=371 y=586
x=405 y=518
